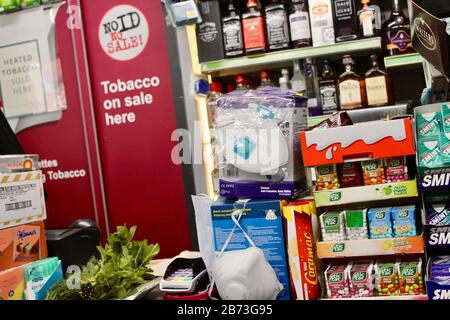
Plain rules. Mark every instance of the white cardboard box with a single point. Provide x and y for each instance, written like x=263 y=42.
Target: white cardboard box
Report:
x=21 y=198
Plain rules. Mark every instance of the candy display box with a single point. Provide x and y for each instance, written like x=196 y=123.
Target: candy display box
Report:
x=22 y=244
x=368 y=140
x=263 y=221
x=21 y=199
x=304 y=276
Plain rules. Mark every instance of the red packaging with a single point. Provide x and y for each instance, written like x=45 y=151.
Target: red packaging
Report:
x=254 y=34
x=350 y=174
x=301 y=249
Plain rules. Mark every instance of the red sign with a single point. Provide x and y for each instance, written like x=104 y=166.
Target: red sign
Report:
x=134 y=118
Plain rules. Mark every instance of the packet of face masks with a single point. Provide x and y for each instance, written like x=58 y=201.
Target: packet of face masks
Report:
x=429 y=124
x=429 y=152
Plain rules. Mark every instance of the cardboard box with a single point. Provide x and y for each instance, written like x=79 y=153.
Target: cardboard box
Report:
x=301 y=249
x=322 y=26
x=12 y=284
x=22 y=244
x=429 y=32
x=258 y=149
x=209 y=33
x=374 y=140
x=262 y=220
x=21 y=199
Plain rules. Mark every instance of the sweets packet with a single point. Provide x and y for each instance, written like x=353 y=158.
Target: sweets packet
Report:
x=404 y=221
x=444 y=146
x=332 y=226
x=337 y=281
x=411 y=277
x=350 y=174
x=429 y=124
x=356 y=224
x=437 y=214
x=373 y=172
x=361 y=276
x=445 y=110
x=429 y=152
x=327 y=177
x=387 y=277
x=380 y=225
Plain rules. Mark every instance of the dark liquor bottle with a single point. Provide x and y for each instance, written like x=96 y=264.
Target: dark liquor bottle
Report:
x=378 y=85
x=369 y=20
x=327 y=89
x=299 y=24
x=277 y=26
x=232 y=32
x=397 y=33
x=253 y=29
x=345 y=20
x=352 y=91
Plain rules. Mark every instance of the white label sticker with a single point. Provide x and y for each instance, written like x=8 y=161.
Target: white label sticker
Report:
x=20 y=200
x=123 y=32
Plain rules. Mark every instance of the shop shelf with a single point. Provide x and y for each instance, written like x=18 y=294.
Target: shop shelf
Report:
x=411 y=297
x=245 y=64
x=403 y=60
x=370 y=247
x=377 y=192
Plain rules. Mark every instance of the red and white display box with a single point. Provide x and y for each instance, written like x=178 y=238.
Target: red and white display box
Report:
x=366 y=140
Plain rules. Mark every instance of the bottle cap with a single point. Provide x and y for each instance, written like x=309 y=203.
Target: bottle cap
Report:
x=201 y=87
x=347 y=59
x=252 y=3
x=264 y=74
x=216 y=87
x=240 y=79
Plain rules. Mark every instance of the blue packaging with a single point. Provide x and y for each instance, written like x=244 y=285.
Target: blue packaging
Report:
x=404 y=221
x=380 y=225
x=263 y=221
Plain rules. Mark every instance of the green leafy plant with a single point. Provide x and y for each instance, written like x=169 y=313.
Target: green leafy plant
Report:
x=122 y=266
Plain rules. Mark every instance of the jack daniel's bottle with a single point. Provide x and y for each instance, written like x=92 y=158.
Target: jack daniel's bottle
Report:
x=277 y=26
x=232 y=32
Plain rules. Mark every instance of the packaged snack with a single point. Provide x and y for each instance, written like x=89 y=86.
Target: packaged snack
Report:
x=429 y=152
x=411 y=279
x=429 y=124
x=350 y=174
x=396 y=169
x=361 y=277
x=444 y=146
x=356 y=224
x=438 y=214
x=404 y=221
x=332 y=226
x=387 y=277
x=337 y=282
x=373 y=172
x=445 y=109
x=327 y=177
x=380 y=225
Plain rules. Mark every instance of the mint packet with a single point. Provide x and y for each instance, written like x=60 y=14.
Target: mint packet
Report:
x=444 y=146
x=445 y=111
x=429 y=152
x=429 y=124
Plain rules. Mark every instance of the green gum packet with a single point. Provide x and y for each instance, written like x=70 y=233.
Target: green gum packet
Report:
x=429 y=152
x=445 y=109
x=429 y=124
x=445 y=147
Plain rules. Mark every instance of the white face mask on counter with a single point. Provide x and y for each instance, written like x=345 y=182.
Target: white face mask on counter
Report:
x=244 y=274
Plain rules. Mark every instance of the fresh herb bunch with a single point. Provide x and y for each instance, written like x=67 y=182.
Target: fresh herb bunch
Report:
x=122 y=265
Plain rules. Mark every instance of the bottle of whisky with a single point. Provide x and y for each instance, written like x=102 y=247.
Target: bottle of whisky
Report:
x=299 y=24
x=312 y=89
x=378 y=85
x=253 y=29
x=369 y=20
x=397 y=33
x=277 y=26
x=327 y=88
x=345 y=20
x=352 y=91
x=232 y=32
